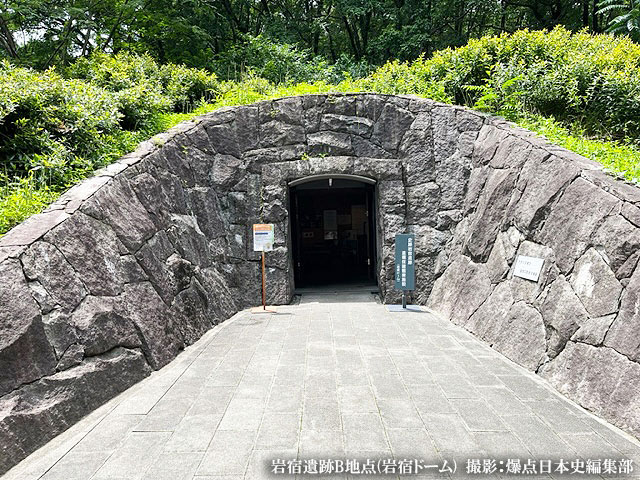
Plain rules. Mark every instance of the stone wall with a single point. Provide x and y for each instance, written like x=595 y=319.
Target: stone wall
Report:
x=128 y=267
x=578 y=326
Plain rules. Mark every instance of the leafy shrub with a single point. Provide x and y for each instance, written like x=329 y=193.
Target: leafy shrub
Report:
x=21 y=199
x=591 y=79
x=55 y=131
x=275 y=62
x=47 y=122
x=187 y=87
x=144 y=88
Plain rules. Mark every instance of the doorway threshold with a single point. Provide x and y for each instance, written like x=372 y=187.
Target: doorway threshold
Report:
x=367 y=287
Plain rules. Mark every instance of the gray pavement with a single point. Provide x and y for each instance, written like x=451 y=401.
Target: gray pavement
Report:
x=334 y=377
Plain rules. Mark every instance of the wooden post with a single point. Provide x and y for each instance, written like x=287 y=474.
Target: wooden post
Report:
x=264 y=305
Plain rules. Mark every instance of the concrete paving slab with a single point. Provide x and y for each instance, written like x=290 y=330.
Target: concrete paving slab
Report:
x=329 y=378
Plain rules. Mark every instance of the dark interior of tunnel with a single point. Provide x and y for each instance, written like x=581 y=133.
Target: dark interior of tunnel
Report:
x=333 y=232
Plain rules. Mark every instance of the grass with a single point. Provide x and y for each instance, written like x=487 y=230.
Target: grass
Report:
x=619 y=159
x=21 y=199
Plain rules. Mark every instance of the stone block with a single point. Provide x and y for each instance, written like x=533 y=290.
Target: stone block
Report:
x=207 y=209
x=44 y=263
x=512 y=152
x=93 y=250
x=34 y=414
x=161 y=193
x=542 y=181
x=595 y=284
x=247 y=122
x=224 y=139
x=618 y=239
x=448 y=219
x=623 y=334
x=466 y=142
x=569 y=234
x=25 y=353
x=469 y=121
x=188 y=239
x=452 y=175
x=161 y=339
x=346 y=124
x=101 y=326
x=461 y=289
x=563 y=315
x=429 y=241
x=498 y=261
x=631 y=213
x=593 y=330
x=390 y=127
x=391 y=195
x=445 y=133
x=599 y=379
x=60 y=331
x=117 y=205
x=491 y=213
x=486 y=144
x=423 y=203
x=522 y=336
x=329 y=143
x=33 y=228
x=224 y=171
x=76 y=195
x=190 y=312
x=368 y=106
x=276 y=133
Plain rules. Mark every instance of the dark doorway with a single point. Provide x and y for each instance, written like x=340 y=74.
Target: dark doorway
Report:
x=333 y=228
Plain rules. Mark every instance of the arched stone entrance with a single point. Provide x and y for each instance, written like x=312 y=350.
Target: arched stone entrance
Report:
x=333 y=231
x=388 y=216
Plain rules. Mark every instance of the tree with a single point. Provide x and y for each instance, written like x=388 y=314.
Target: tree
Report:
x=198 y=33
x=626 y=19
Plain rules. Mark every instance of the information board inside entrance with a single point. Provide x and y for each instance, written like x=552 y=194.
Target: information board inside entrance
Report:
x=405 y=278
x=263 y=237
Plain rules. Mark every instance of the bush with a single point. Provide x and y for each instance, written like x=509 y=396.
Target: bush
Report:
x=47 y=122
x=275 y=62
x=188 y=87
x=142 y=87
x=575 y=77
x=55 y=130
x=21 y=199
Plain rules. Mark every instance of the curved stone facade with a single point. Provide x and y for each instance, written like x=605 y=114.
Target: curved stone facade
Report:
x=128 y=267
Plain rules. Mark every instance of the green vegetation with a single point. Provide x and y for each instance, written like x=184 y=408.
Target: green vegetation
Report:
x=620 y=159
x=581 y=91
x=229 y=37
x=593 y=80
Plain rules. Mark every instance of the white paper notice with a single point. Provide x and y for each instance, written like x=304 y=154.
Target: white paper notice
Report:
x=528 y=267
x=263 y=236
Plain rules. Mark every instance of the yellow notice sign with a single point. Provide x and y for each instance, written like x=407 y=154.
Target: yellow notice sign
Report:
x=263 y=237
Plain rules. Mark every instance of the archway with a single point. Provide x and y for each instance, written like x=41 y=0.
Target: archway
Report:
x=333 y=225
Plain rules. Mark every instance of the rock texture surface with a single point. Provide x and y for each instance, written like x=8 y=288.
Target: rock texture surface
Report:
x=579 y=324
x=133 y=264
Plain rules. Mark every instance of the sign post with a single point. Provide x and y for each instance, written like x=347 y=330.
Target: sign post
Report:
x=263 y=237
x=405 y=270
x=264 y=301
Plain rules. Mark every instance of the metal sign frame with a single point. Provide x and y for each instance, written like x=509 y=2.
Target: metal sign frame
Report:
x=405 y=264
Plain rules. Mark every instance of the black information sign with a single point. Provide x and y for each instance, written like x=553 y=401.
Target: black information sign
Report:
x=405 y=278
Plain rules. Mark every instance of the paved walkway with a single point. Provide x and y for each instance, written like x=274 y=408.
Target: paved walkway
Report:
x=332 y=377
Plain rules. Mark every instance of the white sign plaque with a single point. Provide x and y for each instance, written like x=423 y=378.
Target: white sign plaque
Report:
x=263 y=237
x=528 y=267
